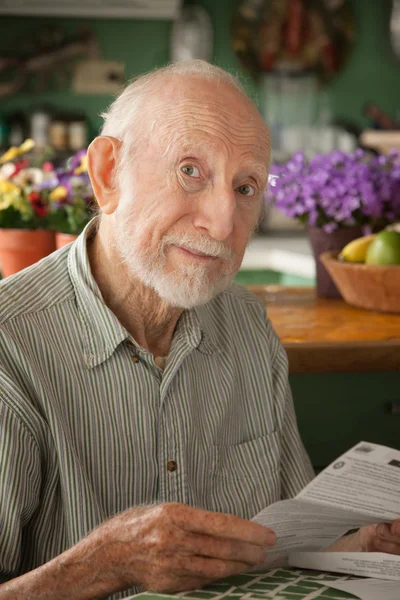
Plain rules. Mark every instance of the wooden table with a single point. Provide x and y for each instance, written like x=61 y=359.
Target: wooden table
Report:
x=327 y=336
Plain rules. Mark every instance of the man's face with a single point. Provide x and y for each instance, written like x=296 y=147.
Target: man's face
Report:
x=193 y=197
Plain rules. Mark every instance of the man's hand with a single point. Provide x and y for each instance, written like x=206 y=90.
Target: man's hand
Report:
x=174 y=547
x=384 y=537
x=168 y=548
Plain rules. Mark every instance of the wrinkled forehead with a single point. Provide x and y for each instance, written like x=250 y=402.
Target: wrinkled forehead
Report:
x=228 y=120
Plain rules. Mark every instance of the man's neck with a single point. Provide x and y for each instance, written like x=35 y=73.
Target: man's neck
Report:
x=149 y=319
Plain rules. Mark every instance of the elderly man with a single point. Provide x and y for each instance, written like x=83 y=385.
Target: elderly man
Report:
x=145 y=410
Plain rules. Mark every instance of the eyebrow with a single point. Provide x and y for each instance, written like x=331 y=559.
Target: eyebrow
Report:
x=261 y=170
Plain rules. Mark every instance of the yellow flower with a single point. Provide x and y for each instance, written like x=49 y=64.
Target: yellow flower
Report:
x=13 y=152
x=83 y=167
x=26 y=146
x=10 y=154
x=10 y=195
x=6 y=187
x=6 y=201
x=59 y=193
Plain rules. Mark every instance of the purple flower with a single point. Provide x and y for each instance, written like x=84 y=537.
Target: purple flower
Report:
x=75 y=160
x=329 y=227
x=48 y=184
x=338 y=189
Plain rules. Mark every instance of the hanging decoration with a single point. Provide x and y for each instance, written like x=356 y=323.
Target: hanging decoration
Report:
x=303 y=35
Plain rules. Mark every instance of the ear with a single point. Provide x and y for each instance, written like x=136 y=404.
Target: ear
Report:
x=102 y=166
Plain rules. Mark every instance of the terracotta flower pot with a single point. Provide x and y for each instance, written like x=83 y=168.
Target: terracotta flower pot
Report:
x=20 y=248
x=62 y=239
x=321 y=241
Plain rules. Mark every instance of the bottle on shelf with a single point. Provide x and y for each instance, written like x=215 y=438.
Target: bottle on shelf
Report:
x=40 y=120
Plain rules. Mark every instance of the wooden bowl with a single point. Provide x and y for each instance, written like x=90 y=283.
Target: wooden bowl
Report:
x=374 y=287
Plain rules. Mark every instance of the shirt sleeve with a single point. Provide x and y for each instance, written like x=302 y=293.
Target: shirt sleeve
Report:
x=296 y=469
x=19 y=487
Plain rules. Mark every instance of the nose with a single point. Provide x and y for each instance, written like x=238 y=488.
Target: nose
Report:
x=216 y=212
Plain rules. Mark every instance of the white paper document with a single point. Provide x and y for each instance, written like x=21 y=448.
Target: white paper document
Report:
x=364 y=480
x=361 y=487
x=299 y=525
x=368 y=589
x=367 y=564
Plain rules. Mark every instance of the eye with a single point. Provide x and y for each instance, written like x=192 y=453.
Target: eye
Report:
x=246 y=190
x=190 y=170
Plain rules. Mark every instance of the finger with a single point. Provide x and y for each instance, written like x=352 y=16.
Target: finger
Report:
x=225 y=526
x=395 y=528
x=223 y=549
x=384 y=533
x=387 y=547
x=211 y=569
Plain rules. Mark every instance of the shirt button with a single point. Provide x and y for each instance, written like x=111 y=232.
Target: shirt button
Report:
x=135 y=358
x=171 y=466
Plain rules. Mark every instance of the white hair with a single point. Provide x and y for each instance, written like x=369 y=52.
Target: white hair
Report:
x=124 y=117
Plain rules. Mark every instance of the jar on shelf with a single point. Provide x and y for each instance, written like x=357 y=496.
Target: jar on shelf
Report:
x=78 y=133
x=58 y=133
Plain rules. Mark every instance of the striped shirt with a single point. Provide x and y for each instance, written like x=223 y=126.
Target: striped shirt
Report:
x=91 y=426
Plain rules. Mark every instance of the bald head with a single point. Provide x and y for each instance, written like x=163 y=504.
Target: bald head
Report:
x=177 y=97
x=139 y=91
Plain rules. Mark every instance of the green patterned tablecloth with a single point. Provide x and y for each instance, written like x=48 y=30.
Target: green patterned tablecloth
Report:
x=279 y=584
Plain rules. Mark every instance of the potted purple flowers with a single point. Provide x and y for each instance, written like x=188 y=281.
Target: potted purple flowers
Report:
x=337 y=196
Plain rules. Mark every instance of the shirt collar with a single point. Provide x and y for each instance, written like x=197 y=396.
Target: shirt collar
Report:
x=197 y=329
x=102 y=332
x=207 y=319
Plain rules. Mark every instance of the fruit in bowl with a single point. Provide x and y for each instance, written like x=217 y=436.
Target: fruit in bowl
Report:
x=367 y=271
x=384 y=249
x=356 y=250
x=378 y=249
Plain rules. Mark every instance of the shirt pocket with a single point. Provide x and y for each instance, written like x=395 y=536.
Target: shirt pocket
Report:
x=245 y=477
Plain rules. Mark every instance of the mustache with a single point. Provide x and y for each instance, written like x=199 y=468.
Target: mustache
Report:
x=199 y=244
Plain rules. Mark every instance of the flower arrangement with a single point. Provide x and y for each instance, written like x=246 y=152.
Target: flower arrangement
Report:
x=339 y=189
x=71 y=198
x=34 y=194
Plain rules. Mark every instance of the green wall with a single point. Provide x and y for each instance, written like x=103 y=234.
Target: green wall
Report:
x=372 y=72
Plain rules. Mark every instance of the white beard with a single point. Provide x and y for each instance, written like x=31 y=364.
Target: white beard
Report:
x=187 y=285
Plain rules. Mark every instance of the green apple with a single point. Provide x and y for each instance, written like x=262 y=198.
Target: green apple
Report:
x=384 y=250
